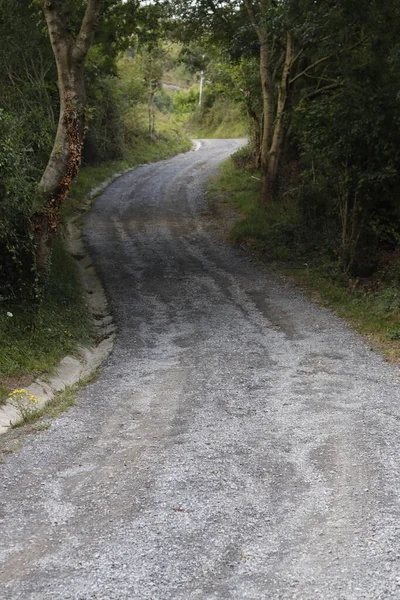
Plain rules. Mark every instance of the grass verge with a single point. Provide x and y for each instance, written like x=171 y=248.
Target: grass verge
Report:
x=273 y=235
x=33 y=340
x=221 y=120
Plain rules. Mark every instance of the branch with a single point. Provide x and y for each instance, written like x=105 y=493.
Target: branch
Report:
x=86 y=33
x=211 y=5
x=322 y=78
x=250 y=10
x=315 y=64
x=296 y=58
x=278 y=65
x=325 y=58
x=322 y=90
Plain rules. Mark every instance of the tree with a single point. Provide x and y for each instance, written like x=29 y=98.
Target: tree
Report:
x=152 y=61
x=241 y=20
x=274 y=112
x=294 y=40
x=70 y=53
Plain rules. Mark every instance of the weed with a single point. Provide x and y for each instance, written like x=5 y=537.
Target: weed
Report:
x=51 y=409
x=61 y=402
x=42 y=426
x=10 y=448
x=26 y=404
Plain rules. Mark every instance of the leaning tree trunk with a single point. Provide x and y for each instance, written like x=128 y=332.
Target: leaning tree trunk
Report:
x=64 y=162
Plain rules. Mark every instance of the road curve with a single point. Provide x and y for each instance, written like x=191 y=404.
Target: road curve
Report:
x=240 y=443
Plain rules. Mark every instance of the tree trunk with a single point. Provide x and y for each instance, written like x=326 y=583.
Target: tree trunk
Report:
x=65 y=158
x=255 y=135
x=256 y=138
x=276 y=133
x=268 y=120
x=274 y=112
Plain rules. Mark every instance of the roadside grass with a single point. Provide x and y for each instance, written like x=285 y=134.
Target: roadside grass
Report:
x=220 y=121
x=273 y=235
x=230 y=128
x=34 y=339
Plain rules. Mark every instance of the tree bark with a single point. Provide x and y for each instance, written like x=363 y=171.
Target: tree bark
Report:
x=256 y=137
x=64 y=162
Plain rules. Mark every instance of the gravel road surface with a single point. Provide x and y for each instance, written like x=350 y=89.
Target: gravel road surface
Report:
x=240 y=443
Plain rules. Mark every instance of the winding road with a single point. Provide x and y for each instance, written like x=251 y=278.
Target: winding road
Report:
x=241 y=443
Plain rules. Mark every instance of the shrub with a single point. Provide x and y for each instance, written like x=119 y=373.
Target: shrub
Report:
x=17 y=187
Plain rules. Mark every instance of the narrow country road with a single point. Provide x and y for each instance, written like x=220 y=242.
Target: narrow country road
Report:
x=240 y=443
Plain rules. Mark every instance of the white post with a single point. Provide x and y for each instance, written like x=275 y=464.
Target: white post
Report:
x=201 y=87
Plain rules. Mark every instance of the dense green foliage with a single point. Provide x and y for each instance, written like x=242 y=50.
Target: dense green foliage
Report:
x=348 y=144
x=28 y=106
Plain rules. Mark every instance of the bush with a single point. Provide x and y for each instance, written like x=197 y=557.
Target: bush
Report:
x=17 y=187
x=185 y=102
x=349 y=150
